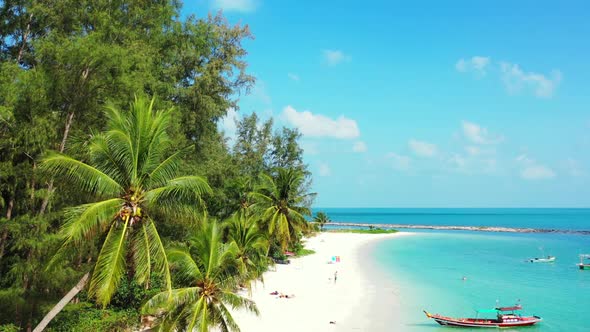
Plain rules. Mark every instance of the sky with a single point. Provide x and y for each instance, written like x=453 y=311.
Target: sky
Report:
x=425 y=103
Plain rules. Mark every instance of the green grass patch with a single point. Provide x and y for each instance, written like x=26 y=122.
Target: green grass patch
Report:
x=364 y=231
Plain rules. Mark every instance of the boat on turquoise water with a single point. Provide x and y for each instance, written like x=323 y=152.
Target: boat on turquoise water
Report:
x=582 y=265
x=548 y=259
x=505 y=317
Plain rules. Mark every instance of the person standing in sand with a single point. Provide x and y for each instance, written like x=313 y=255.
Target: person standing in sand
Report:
x=335 y=276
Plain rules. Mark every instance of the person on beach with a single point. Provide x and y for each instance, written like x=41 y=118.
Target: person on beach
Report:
x=335 y=276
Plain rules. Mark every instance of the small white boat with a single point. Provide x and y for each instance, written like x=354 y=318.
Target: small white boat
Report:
x=582 y=265
x=548 y=259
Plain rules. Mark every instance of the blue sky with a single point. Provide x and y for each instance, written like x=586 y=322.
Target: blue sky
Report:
x=426 y=103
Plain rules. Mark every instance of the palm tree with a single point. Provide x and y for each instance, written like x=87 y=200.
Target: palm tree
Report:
x=208 y=269
x=282 y=204
x=252 y=245
x=133 y=181
x=321 y=219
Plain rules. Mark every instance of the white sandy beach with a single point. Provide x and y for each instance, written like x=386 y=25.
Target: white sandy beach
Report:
x=318 y=299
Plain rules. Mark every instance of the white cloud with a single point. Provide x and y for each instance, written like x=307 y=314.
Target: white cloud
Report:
x=531 y=170
x=476 y=64
x=537 y=172
x=228 y=123
x=293 y=77
x=515 y=80
x=260 y=93
x=310 y=148
x=236 y=5
x=574 y=168
x=458 y=161
x=473 y=150
x=525 y=160
x=477 y=134
x=422 y=149
x=359 y=146
x=334 y=57
x=317 y=125
x=324 y=169
x=471 y=164
x=401 y=163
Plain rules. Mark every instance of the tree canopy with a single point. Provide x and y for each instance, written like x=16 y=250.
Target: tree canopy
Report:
x=110 y=154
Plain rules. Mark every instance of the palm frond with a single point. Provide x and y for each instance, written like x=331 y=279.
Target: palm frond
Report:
x=157 y=140
x=199 y=312
x=158 y=253
x=165 y=171
x=85 y=221
x=110 y=264
x=239 y=302
x=168 y=301
x=227 y=321
x=88 y=178
x=186 y=189
x=142 y=254
x=103 y=159
x=121 y=151
x=182 y=261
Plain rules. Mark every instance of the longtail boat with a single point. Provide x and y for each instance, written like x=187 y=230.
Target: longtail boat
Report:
x=548 y=259
x=505 y=317
x=582 y=265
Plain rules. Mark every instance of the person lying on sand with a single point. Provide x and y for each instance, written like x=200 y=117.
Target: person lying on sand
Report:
x=332 y=322
x=275 y=293
x=286 y=296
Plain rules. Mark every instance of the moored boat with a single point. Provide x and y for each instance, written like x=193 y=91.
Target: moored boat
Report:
x=505 y=317
x=582 y=265
x=548 y=259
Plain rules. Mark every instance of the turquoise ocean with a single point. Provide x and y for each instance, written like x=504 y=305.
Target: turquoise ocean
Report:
x=427 y=269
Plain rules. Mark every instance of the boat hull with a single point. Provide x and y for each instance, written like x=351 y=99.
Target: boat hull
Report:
x=584 y=266
x=484 y=323
x=542 y=260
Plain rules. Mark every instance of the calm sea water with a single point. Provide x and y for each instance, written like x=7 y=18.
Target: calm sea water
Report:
x=573 y=219
x=427 y=269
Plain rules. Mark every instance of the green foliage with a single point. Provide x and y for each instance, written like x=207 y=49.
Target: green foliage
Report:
x=84 y=316
x=208 y=273
x=9 y=328
x=252 y=246
x=321 y=219
x=304 y=252
x=131 y=175
x=281 y=205
x=116 y=189
x=364 y=231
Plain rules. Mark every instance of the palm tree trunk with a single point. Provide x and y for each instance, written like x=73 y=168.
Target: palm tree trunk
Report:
x=62 y=303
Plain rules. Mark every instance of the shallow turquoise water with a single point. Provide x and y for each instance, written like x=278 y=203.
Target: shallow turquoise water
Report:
x=550 y=218
x=427 y=270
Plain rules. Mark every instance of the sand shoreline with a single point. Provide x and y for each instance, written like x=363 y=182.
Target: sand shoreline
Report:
x=319 y=299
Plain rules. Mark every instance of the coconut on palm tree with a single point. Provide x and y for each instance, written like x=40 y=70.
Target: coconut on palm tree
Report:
x=133 y=182
x=208 y=270
x=321 y=219
x=282 y=204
